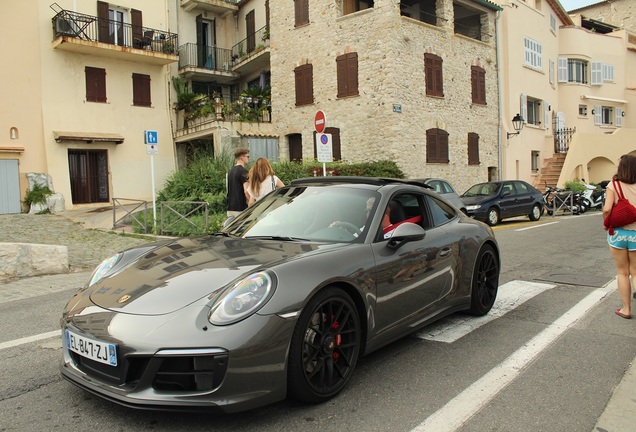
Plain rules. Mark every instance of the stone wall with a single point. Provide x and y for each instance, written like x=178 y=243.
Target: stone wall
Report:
x=621 y=13
x=25 y=259
x=391 y=52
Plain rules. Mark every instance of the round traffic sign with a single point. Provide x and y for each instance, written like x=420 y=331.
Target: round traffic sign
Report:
x=320 y=121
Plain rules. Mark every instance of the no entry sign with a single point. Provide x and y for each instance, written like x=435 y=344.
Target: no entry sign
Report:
x=320 y=121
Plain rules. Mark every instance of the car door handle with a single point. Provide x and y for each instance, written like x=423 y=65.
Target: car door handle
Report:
x=445 y=252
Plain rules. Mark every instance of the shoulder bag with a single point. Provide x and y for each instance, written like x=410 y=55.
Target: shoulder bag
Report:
x=623 y=213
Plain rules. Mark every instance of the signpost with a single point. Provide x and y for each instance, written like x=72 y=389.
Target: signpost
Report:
x=152 y=143
x=324 y=148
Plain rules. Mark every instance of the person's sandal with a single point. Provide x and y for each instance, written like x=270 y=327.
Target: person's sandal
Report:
x=634 y=295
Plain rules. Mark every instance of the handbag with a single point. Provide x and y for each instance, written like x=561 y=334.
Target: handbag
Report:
x=622 y=213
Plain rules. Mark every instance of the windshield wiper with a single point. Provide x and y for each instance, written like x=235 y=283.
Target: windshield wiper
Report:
x=279 y=238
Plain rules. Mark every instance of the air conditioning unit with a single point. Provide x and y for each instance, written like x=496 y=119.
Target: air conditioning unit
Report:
x=66 y=27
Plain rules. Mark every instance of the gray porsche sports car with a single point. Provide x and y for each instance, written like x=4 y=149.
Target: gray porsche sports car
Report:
x=282 y=302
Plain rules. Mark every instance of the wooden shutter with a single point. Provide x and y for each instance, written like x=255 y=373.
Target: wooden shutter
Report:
x=598 y=115
x=546 y=114
x=347 y=74
x=523 y=107
x=250 y=27
x=433 y=75
x=103 y=25
x=141 y=90
x=436 y=146
x=304 y=84
x=618 y=117
x=562 y=74
x=335 y=142
x=597 y=73
x=301 y=12
x=473 y=148
x=478 y=84
x=137 y=24
x=95 y=84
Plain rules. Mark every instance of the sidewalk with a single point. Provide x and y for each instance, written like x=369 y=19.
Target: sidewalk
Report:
x=87 y=235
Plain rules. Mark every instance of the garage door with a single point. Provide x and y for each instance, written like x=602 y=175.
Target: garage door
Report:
x=9 y=186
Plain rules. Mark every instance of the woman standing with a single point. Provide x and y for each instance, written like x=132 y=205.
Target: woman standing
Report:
x=261 y=180
x=623 y=241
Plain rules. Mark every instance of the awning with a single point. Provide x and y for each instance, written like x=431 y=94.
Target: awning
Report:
x=258 y=134
x=602 y=99
x=88 y=137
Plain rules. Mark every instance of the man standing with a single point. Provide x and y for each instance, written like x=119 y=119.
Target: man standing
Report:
x=236 y=178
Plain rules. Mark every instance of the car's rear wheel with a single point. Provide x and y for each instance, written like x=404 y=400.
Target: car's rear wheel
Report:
x=485 y=283
x=535 y=214
x=492 y=218
x=325 y=347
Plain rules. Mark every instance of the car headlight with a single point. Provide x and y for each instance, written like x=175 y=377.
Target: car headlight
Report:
x=104 y=268
x=242 y=300
x=473 y=207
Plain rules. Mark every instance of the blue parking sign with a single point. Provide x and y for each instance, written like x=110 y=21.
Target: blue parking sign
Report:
x=150 y=137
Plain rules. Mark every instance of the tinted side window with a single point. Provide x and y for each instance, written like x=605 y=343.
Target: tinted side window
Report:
x=521 y=188
x=440 y=212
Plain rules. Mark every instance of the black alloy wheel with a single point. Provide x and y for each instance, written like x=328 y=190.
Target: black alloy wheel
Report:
x=485 y=282
x=325 y=347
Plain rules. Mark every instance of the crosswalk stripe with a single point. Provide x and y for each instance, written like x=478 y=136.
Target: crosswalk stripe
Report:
x=509 y=296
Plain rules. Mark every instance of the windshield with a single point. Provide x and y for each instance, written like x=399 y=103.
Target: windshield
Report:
x=312 y=213
x=482 y=189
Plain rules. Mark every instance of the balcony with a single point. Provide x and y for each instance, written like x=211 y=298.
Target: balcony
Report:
x=206 y=63
x=88 y=34
x=219 y=7
x=252 y=53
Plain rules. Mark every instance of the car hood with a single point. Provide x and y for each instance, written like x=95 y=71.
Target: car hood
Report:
x=478 y=199
x=173 y=275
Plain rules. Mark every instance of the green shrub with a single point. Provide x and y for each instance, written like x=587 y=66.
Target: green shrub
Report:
x=574 y=186
x=37 y=195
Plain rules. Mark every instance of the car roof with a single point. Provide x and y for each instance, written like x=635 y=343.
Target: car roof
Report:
x=375 y=181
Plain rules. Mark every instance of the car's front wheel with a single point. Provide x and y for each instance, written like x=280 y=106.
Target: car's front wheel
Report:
x=492 y=218
x=325 y=347
x=535 y=214
x=485 y=283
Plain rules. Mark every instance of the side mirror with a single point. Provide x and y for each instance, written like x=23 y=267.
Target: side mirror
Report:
x=404 y=233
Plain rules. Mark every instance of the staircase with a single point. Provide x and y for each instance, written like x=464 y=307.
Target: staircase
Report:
x=550 y=172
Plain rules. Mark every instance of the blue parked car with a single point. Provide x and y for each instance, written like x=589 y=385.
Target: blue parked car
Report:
x=493 y=201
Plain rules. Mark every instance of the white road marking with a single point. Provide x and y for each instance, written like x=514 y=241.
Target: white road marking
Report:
x=509 y=296
x=537 y=226
x=460 y=409
x=29 y=339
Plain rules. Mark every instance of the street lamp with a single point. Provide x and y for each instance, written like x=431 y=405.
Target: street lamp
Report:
x=517 y=123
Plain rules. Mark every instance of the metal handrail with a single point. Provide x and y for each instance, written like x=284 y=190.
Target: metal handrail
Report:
x=205 y=57
x=91 y=28
x=259 y=39
x=182 y=217
x=117 y=203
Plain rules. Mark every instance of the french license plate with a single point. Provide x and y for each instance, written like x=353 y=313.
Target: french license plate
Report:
x=91 y=348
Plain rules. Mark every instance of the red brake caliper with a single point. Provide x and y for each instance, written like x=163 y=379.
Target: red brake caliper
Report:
x=338 y=340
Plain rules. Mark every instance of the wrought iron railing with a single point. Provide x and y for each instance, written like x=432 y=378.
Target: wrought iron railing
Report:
x=92 y=28
x=562 y=139
x=251 y=44
x=205 y=57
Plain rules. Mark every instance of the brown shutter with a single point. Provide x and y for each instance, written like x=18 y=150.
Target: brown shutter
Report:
x=341 y=72
x=301 y=12
x=137 y=24
x=439 y=80
x=474 y=86
x=436 y=146
x=478 y=84
x=336 y=151
x=428 y=74
x=352 y=74
x=473 y=148
x=95 y=84
x=250 y=26
x=103 y=34
x=141 y=90
x=304 y=84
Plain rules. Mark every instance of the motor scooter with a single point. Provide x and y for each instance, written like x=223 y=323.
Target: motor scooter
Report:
x=593 y=197
x=559 y=199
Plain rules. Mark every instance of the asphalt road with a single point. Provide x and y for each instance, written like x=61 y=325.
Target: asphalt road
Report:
x=548 y=364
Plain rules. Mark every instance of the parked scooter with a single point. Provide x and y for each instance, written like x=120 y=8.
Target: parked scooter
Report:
x=593 y=197
x=560 y=199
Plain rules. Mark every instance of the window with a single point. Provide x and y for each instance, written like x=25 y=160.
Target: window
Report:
x=351 y=6
x=433 y=74
x=347 y=71
x=304 y=84
x=301 y=12
x=473 y=148
x=95 y=84
x=533 y=53
x=421 y=10
x=608 y=72
x=574 y=71
x=607 y=115
x=478 y=83
x=440 y=211
x=553 y=22
x=296 y=147
x=583 y=110
x=141 y=90
x=436 y=146
x=533 y=112
x=467 y=21
x=534 y=161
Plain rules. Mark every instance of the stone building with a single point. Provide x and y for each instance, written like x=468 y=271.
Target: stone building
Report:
x=411 y=81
